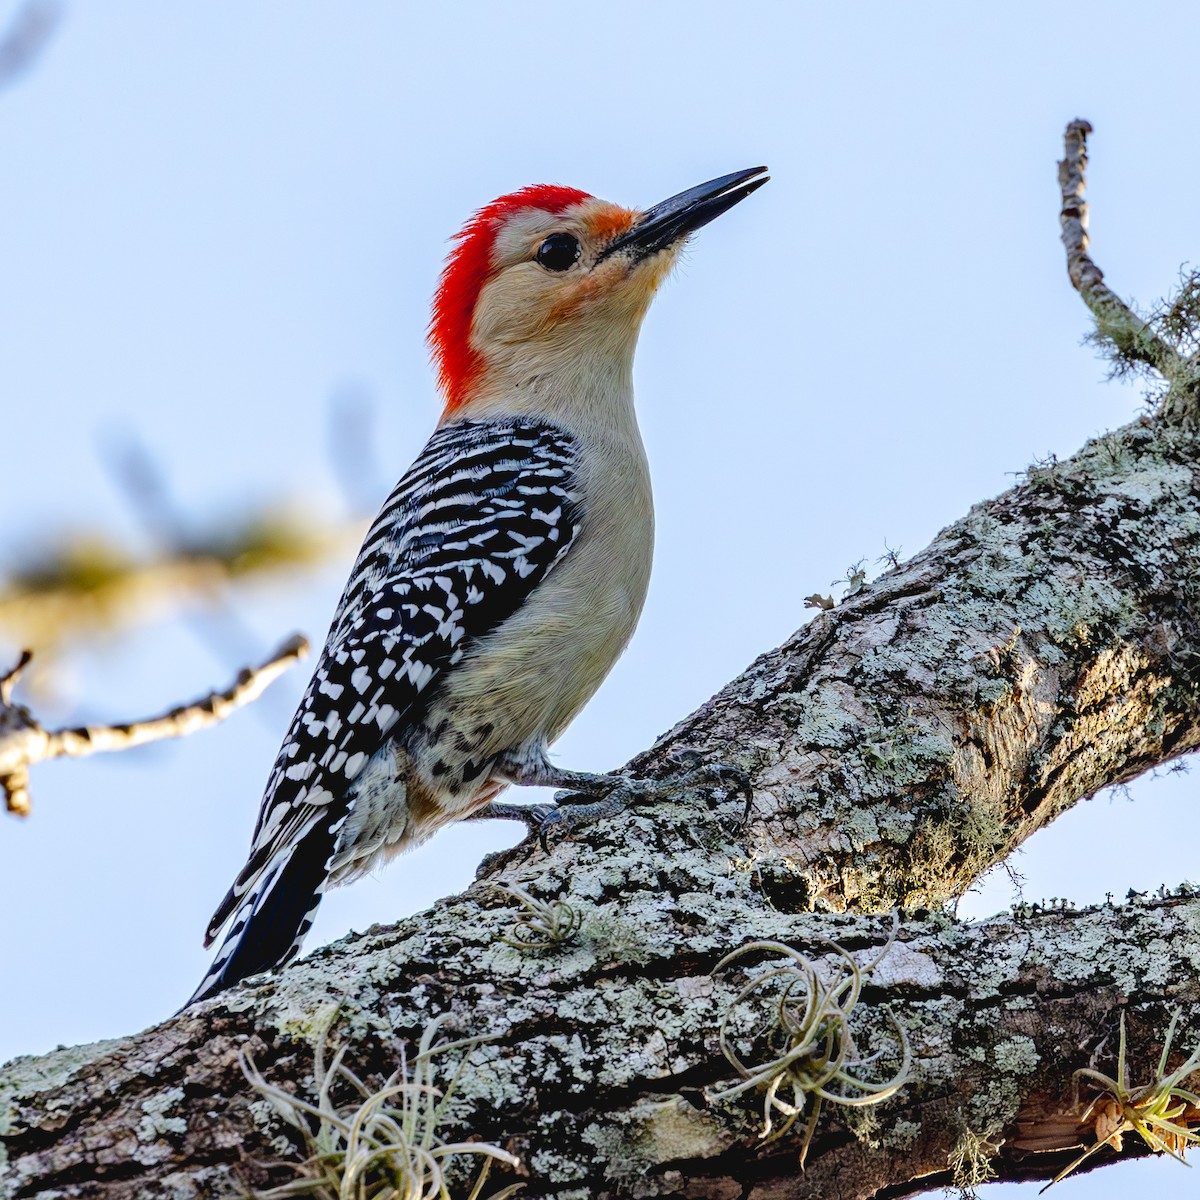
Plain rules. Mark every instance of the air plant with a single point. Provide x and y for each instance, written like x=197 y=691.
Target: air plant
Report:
x=1152 y=1111
x=385 y=1146
x=544 y=925
x=806 y=1025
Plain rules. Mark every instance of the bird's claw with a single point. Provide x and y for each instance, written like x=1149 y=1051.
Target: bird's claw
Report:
x=572 y=809
x=578 y=811
x=733 y=778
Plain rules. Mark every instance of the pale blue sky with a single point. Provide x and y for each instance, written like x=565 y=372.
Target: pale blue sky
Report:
x=216 y=216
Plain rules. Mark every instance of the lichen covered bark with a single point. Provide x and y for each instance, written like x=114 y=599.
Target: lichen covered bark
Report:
x=604 y=1050
x=1040 y=649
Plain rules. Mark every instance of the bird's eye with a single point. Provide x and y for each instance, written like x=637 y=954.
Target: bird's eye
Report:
x=558 y=252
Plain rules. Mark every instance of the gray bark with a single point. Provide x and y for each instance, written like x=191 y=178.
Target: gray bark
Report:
x=1040 y=649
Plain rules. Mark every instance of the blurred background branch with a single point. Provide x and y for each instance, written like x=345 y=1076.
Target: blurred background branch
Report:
x=26 y=38
x=82 y=583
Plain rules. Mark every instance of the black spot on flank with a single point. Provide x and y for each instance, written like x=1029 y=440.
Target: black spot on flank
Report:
x=439 y=768
x=436 y=735
x=473 y=770
x=485 y=730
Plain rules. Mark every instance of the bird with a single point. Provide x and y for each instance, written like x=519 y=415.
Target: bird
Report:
x=503 y=576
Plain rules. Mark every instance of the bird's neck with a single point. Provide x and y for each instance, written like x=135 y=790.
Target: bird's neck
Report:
x=578 y=388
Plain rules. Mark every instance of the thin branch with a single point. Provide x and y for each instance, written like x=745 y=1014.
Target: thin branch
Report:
x=27 y=35
x=217 y=623
x=1115 y=320
x=23 y=742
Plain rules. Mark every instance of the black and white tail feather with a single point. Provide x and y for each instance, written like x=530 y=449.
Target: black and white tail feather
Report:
x=477 y=522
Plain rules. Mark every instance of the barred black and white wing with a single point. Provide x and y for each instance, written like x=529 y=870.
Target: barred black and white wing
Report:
x=479 y=520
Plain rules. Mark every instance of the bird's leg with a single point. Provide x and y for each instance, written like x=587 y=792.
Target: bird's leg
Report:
x=588 y=793
x=576 y=787
x=533 y=816
x=586 y=796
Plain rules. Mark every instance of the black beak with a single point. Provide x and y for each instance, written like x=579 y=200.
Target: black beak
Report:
x=673 y=219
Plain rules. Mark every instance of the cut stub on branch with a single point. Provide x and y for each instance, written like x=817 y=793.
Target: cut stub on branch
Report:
x=1162 y=1112
x=24 y=742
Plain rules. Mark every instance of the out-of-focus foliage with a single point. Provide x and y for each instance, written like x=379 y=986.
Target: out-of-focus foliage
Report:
x=83 y=584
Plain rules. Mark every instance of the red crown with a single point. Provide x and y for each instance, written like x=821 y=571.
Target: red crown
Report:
x=466 y=271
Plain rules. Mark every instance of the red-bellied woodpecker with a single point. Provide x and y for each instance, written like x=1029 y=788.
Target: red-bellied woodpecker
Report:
x=502 y=578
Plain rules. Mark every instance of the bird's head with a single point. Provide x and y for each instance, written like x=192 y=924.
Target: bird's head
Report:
x=547 y=278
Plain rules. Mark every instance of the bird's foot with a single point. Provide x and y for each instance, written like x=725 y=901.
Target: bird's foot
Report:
x=579 y=808
x=628 y=790
x=533 y=816
x=580 y=805
x=586 y=797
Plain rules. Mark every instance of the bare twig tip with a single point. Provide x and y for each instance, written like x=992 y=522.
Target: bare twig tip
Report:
x=8 y=682
x=19 y=750
x=16 y=793
x=297 y=646
x=1131 y=337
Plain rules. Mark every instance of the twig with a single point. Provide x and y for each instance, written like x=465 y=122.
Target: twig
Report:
x=1115 y=320
x=217 y=623
x=27 y=35
x=23 y=742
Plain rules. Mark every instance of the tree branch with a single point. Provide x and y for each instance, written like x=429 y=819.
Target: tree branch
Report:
x=1133 y=339
x=604 y=1054
x=27 y=36
x=24 y=743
